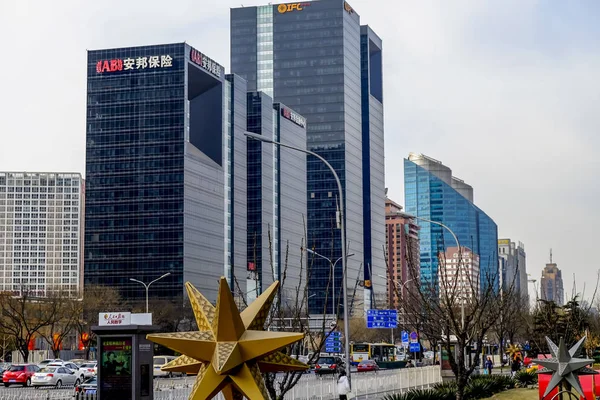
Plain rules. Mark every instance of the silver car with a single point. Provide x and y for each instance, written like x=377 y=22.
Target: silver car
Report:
x=55 y=376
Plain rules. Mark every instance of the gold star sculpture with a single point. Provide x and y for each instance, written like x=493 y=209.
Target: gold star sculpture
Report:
x=230 y=349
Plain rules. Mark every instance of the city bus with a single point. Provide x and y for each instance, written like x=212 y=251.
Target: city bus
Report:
x=372 y=351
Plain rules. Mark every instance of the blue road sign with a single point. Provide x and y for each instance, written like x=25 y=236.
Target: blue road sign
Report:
x=414 y=347
x=382 y=319
x=404 y=337
x=333 y=343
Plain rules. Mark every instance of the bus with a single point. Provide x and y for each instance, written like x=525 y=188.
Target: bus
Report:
x=372 y=351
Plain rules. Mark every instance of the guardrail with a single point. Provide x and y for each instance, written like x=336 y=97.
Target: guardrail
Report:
x=309 y=387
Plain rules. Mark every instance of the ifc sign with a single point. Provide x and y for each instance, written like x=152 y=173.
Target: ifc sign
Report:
x=283 y=8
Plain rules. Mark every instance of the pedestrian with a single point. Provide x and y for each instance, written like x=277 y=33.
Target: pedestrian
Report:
x=409 y=364
x=514 y=367
x=343 y=386
x=489 y=364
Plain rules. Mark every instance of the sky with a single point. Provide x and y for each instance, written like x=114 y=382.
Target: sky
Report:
x=506 y=93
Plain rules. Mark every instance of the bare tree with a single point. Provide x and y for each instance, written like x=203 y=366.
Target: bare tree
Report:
x=95 y=299
x=66 y=313
x=23 y=318
x=456 y=308
x=290 y=313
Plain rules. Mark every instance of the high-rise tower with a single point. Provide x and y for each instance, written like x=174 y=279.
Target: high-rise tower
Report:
x=316 y=58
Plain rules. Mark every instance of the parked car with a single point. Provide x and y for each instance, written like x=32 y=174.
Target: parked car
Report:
x=19 y=374
x=55 y=376
x=328 y=365
x=44 y=363
x=159 y=362
x=87 y=388
x=3 y=367
x=367 y=365
x=69 y=365
x=78 y=361
x=89 y=369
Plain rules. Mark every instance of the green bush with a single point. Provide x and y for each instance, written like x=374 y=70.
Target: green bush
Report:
x=479 y=387
x=415 y=394
x=524 y=378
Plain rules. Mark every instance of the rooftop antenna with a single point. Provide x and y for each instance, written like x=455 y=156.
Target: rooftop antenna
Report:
x=550 y=255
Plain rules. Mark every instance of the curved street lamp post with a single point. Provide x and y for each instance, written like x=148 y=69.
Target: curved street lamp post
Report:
x=342 y=232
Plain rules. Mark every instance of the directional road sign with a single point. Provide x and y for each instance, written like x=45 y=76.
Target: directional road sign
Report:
x=382 y=319
x=405 y=338
x=333 y=343
x=415 y=347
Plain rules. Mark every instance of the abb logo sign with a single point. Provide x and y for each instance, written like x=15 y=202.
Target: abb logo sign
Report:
x=162 y=61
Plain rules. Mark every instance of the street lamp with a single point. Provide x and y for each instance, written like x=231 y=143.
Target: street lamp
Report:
x=148 y=286
x=332 y=273
x=462 y=303
x=342 y=232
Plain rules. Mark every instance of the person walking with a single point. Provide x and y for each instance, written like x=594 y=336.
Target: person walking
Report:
x=514 y=367
x=343 y=386
x=489 y=364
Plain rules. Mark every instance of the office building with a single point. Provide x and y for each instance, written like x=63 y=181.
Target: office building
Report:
x=458 y=274
x=41 y=222
x=166 y=171
x=403 y=254
x=276 y=198
x=551 y=285
x=431 y=192
x=513 y=266
x=316 y=58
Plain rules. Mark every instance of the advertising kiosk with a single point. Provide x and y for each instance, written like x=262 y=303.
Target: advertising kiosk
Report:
x=125 y=356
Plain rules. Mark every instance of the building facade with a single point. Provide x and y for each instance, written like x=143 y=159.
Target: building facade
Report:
x=402 y=245
x=459 y=272
x=431 y=192
x=315 y=58
x=166 y=171
x=551 y=285
x=41 y=222
x=276 y=198
x=513 y=266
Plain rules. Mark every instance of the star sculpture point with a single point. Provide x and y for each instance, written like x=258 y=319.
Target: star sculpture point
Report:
x=564 y=366
x=230 y=349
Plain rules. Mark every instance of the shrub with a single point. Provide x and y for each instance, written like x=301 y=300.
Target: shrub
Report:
x=479 y=387
x=524 y=378
x=415 y=394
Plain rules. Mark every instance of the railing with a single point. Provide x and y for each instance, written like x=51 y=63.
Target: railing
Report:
x=309 y=387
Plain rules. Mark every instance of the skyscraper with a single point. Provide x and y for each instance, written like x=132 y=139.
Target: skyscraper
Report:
x=431 y=192
x=165 y=169
x=316 y=58
x=403 y=253
x=276 y=198
x=513 y=266
x=41 y=223
x=551 y=285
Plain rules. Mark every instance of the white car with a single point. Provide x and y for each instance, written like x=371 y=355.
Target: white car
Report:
x=55 y=376
x=69 y=365
x=44 y=363
x=89 y=369
x=159 y=362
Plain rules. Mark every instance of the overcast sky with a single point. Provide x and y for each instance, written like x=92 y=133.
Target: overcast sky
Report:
x=506 y=93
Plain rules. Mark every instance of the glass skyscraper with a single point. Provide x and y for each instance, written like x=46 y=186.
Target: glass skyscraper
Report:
x=316 y=58
x=431 y=192
x=276 y=198
x=165 y=170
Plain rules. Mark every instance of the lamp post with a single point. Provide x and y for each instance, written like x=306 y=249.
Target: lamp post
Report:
x=342 y=232
x=462 y=303
x=148 y=286
x=332 y=274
